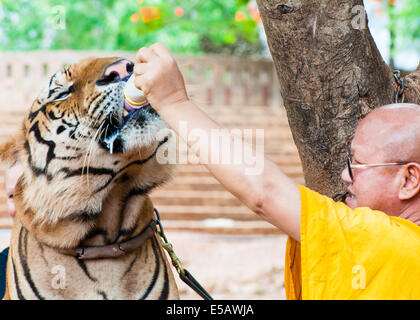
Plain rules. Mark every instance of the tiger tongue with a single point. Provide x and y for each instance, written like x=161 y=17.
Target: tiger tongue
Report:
x=129 y=107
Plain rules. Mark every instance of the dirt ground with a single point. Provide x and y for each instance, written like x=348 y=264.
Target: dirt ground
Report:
x=227 y=266
x=232 y=267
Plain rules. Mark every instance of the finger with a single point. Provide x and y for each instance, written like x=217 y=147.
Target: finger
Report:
x=141 y=83
x=161 y=50
x=145 y=55
x=140 y=68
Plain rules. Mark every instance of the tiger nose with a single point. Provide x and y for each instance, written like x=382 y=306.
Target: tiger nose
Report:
x=119 y=70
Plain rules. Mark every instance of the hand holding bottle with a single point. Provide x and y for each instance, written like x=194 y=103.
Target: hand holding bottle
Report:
x=158 y=76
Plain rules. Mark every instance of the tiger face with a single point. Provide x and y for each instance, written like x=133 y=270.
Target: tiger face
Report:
x=79 y=144
x=88 y=99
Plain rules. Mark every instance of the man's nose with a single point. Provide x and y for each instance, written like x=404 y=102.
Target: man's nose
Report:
x=345 y=176
x=120 y=70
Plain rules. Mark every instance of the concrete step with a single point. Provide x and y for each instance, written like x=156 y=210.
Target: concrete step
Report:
x=184 y=158
x=222 y=226
x=283 y=130
x=205 y=183
x=290 y=159
x=248 y=110
x=249 y=122
x=201 y=171
x=6 y=222
x=194 y=198
x=189 y=186
x=173 y=212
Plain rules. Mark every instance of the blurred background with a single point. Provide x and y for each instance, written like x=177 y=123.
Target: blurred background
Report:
x=189 y=27
x=194 y=27
x=221 y=48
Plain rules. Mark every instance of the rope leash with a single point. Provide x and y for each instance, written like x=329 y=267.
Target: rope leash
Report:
x=183 y=273
x=399 y=93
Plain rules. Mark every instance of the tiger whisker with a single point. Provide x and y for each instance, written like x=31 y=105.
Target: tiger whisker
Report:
x=91 y=123
x=88 y=151
x=95 y=139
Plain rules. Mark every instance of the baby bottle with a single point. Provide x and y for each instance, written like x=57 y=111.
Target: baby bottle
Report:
x=133 y=98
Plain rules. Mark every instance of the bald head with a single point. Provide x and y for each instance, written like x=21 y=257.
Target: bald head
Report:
x=387 y=135
x=392 y=132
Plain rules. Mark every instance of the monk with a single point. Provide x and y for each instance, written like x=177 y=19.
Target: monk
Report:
x=365 y=248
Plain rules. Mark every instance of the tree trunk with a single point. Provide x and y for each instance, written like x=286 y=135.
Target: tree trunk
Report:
x=331 y=75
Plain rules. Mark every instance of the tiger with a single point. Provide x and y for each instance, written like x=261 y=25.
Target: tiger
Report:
x=89 y=165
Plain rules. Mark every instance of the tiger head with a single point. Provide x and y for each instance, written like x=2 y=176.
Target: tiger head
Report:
x=79 y=145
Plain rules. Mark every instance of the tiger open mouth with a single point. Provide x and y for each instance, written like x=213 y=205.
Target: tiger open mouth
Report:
x=110 y=138
x=126 y=126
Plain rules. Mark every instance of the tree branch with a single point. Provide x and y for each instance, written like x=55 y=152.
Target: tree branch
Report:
x=412 y=87
x=331 y=75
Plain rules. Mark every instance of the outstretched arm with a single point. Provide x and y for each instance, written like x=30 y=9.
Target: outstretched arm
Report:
x=270 y=194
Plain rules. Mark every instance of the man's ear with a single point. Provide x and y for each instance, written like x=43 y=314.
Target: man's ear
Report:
x=9 y=151
x=410 y=185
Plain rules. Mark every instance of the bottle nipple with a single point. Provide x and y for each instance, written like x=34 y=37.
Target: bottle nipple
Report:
x=133 y=98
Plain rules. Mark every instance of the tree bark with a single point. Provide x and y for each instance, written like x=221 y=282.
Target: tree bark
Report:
x=331 y=75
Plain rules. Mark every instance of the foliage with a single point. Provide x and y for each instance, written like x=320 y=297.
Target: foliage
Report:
x=193 y=26
x=404 y=23
x=228 y=26
x=409 y=22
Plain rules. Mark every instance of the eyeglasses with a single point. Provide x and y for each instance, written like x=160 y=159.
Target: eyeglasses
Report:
x=354 y=166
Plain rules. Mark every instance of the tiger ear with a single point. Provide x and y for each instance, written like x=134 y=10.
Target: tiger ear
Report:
x=9 y=151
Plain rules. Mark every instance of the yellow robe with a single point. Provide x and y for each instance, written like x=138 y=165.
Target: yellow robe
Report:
x=351 y=254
